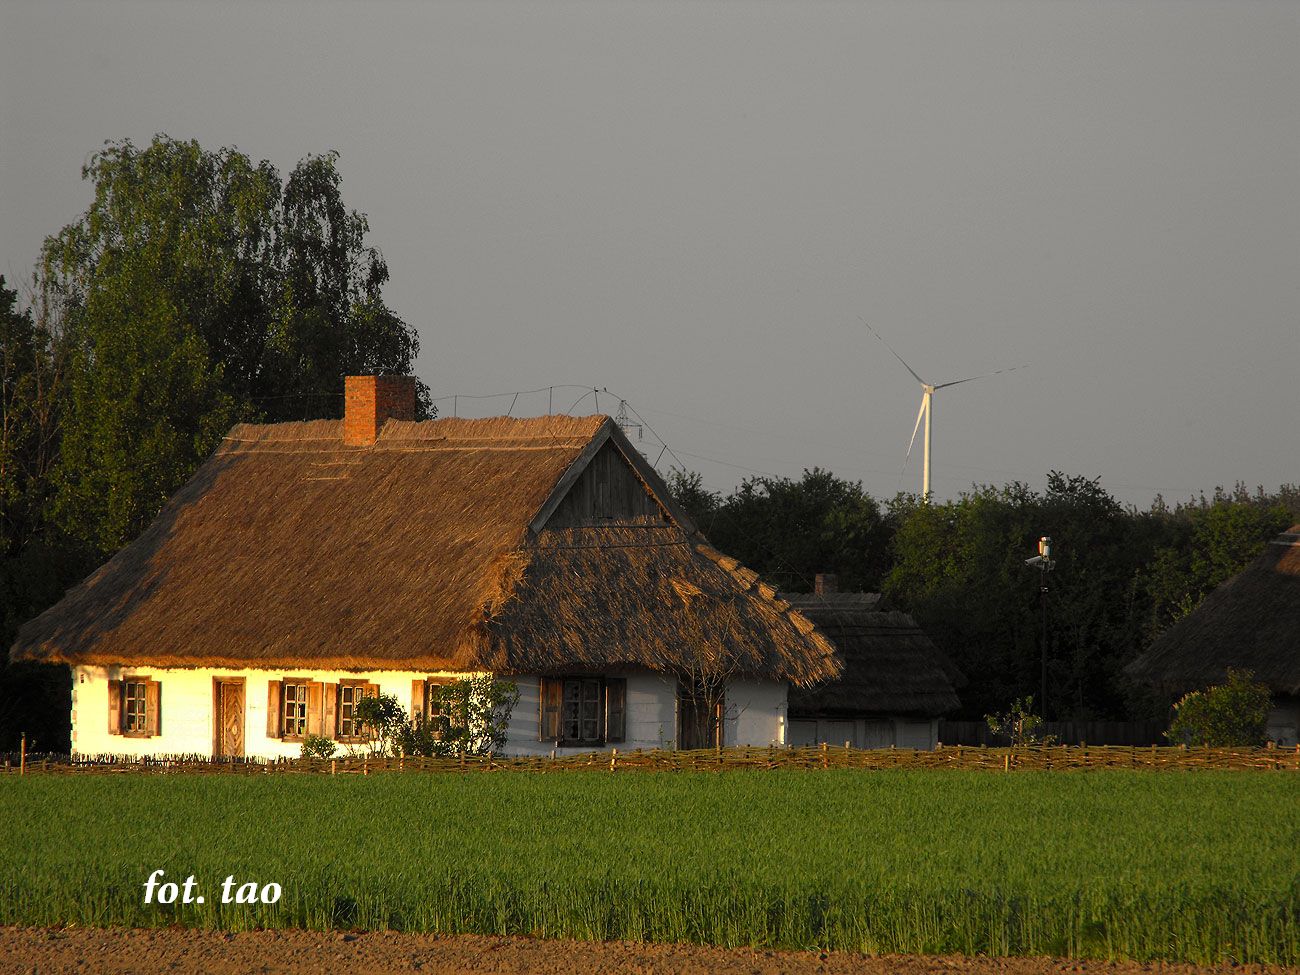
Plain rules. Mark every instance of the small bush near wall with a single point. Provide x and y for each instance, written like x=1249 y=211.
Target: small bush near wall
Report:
x=1233 y=713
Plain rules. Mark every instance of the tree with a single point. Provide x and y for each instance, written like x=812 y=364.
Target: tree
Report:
x=36 y=563
x=1207 y=542
x=197 y=290
x=1020 y=725
x=788 y=531
x=1232 y=713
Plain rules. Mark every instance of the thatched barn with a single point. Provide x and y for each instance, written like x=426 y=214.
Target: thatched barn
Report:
x=1251 y=622
x=306 y=565
x=895 y=683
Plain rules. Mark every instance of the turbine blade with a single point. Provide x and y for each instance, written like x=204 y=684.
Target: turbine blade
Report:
x=983 y=375
x=891 y=349
x=911 y=443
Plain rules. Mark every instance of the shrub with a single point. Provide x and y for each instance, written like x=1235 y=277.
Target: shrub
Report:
x=1020 y=725
x=1232 y=713
x=383 y=719
x=316 y=746
x=473 y=719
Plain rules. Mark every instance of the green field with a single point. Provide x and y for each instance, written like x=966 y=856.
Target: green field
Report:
x=1195 y=866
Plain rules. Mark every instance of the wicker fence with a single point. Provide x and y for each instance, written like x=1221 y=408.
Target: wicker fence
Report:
x=1055 y=758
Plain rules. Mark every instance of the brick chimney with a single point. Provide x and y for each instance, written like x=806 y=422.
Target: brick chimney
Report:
x=370 y=400
x=826 y=582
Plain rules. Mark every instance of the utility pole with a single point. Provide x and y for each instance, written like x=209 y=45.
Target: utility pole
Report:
x=1044 y=563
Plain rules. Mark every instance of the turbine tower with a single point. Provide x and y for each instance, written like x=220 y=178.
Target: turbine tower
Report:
x=927 y=408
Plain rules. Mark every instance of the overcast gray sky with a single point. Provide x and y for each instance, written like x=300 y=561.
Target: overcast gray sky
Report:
x=694 y=205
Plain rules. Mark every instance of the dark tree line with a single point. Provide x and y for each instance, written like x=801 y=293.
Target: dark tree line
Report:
x=1122 y=575
x=197 y=290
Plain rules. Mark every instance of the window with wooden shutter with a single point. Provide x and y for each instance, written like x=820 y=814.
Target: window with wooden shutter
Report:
x=615 y=709
x=434 y=708
x=115 y=707
x=350 y=694
x=135 y=707
x=419 y=700
x=315 y=708
x=152 y=708
x=550 y=699
x=330 y=723
x=582 y=717
x=274 y=710
x=296 y=707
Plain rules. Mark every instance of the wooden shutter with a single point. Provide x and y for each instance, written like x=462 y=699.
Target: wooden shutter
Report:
x=315 y=707
x=115 y=707
x=330 y=721
x=550 y=702
x=417 y=700
x=273 y=716
x=615 y=709
x=152 y=709
x=372 y=690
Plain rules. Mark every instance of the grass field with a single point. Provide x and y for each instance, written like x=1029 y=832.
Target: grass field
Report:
x=1200 y=866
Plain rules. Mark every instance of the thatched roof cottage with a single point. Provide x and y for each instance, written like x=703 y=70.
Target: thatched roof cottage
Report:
x=307 y=564
x=1251 y=622
x=895 y=683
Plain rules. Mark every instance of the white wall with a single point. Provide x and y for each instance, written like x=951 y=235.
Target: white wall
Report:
x=187 y=708
x=651 y=718
x=1284 y=721
x=755 y=711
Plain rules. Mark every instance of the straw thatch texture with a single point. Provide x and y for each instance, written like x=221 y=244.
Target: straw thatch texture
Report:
x=1251 y=622
x=890 y=666
x=653 y=597
x=290 y=549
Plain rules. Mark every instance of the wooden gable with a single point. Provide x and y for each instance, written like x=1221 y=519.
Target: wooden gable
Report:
x=607 y=492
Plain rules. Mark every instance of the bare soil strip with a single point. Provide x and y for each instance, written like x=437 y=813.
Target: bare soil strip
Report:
x=46 y=951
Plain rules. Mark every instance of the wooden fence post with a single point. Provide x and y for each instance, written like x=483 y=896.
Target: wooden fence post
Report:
x=613 y=759
x=825 y=763
x=22 y=755
x=334 y=766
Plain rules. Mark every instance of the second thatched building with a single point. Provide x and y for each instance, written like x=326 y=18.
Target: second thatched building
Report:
x=895 y=684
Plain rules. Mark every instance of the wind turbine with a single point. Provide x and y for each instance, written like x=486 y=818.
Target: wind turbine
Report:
x=927 y=407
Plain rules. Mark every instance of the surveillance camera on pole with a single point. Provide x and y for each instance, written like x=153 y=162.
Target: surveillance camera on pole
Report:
x=1044 y=563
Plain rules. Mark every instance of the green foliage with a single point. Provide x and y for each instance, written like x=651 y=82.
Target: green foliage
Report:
x=1068 y=864
x=383 y=719
x=197 y=291
x=1019 y=725
x=1232 y=713
x=958 y=567
x=473 y=719
x=1212 y=539
x=789 y=531
x=317 y=746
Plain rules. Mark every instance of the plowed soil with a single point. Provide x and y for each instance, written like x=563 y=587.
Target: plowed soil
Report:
x=44 y=951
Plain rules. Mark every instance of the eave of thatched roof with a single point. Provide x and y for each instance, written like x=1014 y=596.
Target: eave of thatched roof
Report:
x=890 y=665
x=425 y=550
x=1251 y=622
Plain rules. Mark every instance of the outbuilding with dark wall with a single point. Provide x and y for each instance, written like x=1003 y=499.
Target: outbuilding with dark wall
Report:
x=895 y=683
x=1252 y=623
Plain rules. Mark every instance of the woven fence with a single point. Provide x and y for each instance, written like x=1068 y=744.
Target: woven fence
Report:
x=1031 y=758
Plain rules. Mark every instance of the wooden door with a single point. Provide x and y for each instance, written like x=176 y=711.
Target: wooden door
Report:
x=230 y=719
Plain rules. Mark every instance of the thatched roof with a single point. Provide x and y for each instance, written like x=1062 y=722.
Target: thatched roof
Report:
x=890 y=665
x=1251 y=622
x=426 y=550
